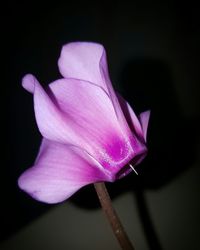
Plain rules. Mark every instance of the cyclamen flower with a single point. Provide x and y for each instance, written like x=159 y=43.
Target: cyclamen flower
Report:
x=90 y=133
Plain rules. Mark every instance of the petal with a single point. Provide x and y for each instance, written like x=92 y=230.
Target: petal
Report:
x=86 y=104
x=131 y=117
x=49 y=119
x=144 y=119
x=81 y=114
x=80 y=60
x=59 y=172
x=87 y=61
x=113 y=96
x=96 y=123
x=28 y=82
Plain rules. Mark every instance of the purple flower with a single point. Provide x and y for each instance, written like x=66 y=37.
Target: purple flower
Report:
x=90 y=133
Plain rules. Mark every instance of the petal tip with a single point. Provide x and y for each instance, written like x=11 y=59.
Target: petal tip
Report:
x=28 y=82
x=21 y=182
x=30 y=187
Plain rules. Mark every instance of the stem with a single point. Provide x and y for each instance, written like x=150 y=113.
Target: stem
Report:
x=112 y=216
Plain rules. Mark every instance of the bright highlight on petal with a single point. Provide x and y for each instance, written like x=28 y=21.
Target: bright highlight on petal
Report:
x=144 y=119
x=90 y=133
x=131 y=117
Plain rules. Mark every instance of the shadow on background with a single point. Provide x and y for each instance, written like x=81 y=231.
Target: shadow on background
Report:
x=147 y=84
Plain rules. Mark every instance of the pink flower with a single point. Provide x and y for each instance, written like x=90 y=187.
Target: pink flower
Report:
x=90 y=133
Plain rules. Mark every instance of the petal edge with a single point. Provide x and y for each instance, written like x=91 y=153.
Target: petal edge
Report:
x=59 y=172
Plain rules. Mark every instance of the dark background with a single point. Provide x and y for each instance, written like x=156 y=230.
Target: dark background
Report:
x=153 y=54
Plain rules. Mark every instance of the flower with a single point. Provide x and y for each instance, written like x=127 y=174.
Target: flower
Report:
x=90 y=133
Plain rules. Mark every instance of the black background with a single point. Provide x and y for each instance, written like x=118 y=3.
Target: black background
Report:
x=153 y=53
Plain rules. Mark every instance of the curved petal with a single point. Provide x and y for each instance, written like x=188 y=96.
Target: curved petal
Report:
x=92 y=110
x=80 y=114
x=86 y=104
x=144 y=119
x=80 y=60
x=131 y=117
x=59 y=172
x=87 y=61
x=29 y=82
x=51 y=123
